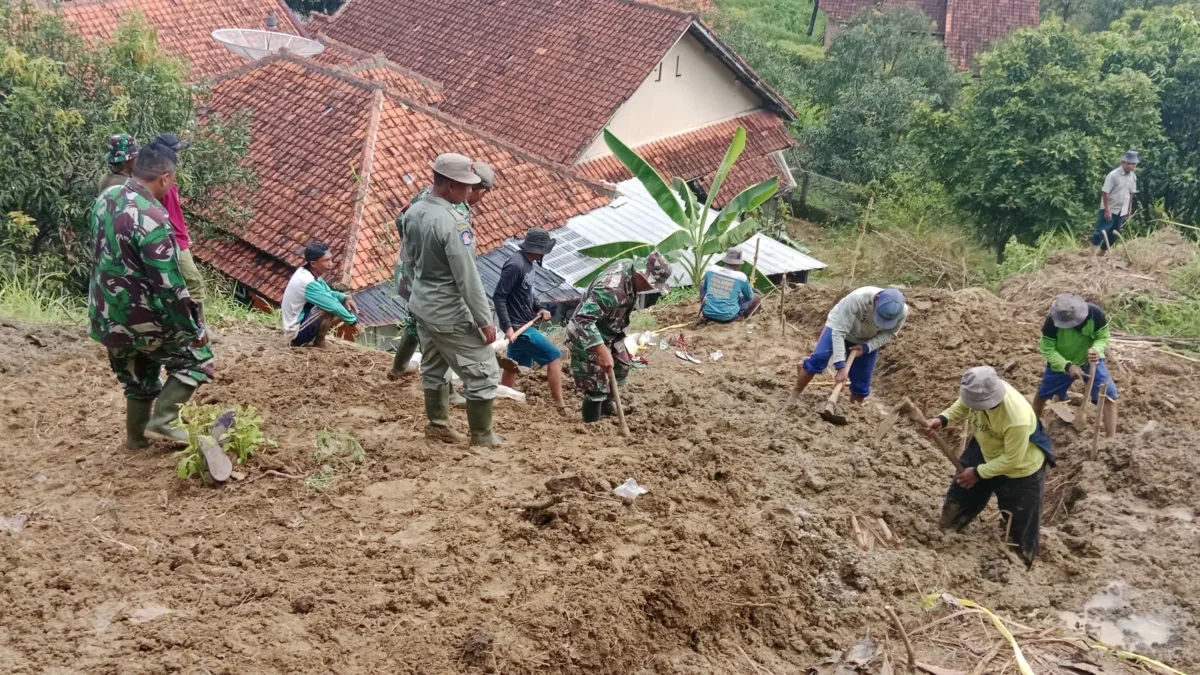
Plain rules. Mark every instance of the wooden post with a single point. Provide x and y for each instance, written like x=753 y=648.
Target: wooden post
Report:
x=754 y=268
x=862 y=232
x=782 y=306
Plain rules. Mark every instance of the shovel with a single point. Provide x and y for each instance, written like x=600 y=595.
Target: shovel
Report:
x=1080 y=420
x=830 y=413
x=507 y=364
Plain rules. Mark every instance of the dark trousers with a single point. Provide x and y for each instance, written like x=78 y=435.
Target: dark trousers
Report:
x=1019 y=499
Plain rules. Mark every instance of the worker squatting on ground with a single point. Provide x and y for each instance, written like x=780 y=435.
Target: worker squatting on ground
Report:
x=408 y=328
x=1073 y=341
x=139 y=307
x=454 y=321
x=121 y=155
x=862 y=322
x=517 y=304
x=1007 y=456
x=1116 y=202
x=725 y=292
x=310 y=307
x=596 y=333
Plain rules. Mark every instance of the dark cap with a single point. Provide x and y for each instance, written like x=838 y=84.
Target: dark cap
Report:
x=537 y=240
x=315 y=251
x=171 y=142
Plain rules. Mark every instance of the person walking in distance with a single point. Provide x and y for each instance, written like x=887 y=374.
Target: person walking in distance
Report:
x=1116 y=201
x=139 y=307
x=454 y=321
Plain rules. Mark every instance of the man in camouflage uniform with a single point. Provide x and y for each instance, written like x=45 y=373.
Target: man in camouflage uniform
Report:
x=122 y=151
x=596 y=334
x=138 y=304
x=408 y=328
x=453 y=317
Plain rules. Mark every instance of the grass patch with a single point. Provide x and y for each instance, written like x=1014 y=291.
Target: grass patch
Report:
x=222 y=308
x=339 y=454
x=1152 y=316
x=1024 y=259
x=32 y=296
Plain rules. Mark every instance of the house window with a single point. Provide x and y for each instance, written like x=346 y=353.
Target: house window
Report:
x=658 y=78
x=677 y=73
x=698 y=190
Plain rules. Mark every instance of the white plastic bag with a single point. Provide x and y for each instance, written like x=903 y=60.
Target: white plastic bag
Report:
x=508 y=392
x=630 y=489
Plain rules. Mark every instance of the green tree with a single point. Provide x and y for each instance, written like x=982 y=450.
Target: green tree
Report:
x=701 y=235
x=305 y=7
x=60 y=100
x=877 y=69
x=1025 y=148
x=1164 y=44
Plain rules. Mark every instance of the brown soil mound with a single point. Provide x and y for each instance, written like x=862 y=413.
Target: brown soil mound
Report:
x=424 y=560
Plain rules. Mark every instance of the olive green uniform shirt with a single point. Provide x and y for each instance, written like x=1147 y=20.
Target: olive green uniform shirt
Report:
x=439 y=253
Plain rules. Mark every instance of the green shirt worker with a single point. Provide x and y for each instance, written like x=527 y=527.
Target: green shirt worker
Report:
x=1007 y=457
x=448 y=303
x=1074 y=338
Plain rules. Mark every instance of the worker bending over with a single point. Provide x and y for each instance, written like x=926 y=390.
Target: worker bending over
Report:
x=596 y=334
x=1007 y=456
x=1073 y=341
x=861 y=323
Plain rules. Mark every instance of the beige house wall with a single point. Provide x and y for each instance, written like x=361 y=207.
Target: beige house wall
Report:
x=689 y=89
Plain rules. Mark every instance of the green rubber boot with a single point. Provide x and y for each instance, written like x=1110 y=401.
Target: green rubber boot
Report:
x=437 y=409
x=479 y=419
x=166 y=410
x=137 y=416
x=404 y=353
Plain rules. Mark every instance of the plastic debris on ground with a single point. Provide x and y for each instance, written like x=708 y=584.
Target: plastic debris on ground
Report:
x=686 y=357
x=716 y=356
x=630 y=489
x=509 y=392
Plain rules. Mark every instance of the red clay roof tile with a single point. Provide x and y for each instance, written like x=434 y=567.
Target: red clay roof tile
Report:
x=337 y=157
x=184 y=26
x=698 y=154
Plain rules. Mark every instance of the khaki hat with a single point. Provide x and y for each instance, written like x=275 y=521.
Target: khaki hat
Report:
x=1068 y=310
x=456 y=167
x=733 y=258
x=981 y=388
x=487 y=179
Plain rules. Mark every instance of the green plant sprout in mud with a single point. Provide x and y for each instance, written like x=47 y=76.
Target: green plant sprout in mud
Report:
x=238 y=429
x=338 y=453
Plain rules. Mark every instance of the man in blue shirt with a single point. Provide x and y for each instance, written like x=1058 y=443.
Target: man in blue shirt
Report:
x=725 y=292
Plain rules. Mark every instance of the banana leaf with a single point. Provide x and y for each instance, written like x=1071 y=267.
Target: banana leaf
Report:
x=761 y=282
x=688 y=199
x=615 y=249
x=676 y=241
x=747 y=200
x=736 y=146
x=649 y=177
x=640 y=249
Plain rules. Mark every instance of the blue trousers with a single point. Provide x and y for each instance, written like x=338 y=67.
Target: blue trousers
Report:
x=860 y=371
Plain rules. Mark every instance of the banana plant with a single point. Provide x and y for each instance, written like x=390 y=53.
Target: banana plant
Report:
x=698 y=241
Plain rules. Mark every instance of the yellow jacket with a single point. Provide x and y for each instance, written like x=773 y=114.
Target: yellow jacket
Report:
x=1003 y=434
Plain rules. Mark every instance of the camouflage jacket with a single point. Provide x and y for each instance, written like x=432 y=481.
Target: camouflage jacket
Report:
x=401 y=278
x=137 y=296
x=603 y=313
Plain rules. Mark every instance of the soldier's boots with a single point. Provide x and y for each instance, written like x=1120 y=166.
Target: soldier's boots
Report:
x=592 y=410
x=137 y=416
x=404 y=354
x=437 y=409
x=479 y=419
x=166 y=410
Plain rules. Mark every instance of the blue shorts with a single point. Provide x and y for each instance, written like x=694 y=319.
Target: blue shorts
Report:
x=1056 y=384
x=533 y=347
x=308 y=333
x=860 y=371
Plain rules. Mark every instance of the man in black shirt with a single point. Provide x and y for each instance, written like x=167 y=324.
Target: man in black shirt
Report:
x=517 y=305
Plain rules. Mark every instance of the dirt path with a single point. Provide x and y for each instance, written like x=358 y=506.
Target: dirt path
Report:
x=416 y=562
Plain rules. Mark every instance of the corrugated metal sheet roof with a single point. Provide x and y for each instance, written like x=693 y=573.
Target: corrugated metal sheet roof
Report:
x=379 y=306
x=635 y=216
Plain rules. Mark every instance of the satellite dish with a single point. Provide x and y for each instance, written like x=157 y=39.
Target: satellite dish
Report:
x=255 y=44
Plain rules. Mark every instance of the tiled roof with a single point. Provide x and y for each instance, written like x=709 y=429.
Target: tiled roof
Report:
x=377 y=67
x=547 y=76
x=698 y=154
x=972 y=25
x=184 y=26
x=967 y=26
x=337 y=157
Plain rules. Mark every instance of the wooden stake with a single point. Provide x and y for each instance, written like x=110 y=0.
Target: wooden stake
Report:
x=862 y=233
x=1095 y=451
x=782 y=304
x=754 y=268
x=912 y=657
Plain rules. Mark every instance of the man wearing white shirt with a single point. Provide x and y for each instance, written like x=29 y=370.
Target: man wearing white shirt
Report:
x=1116 y=201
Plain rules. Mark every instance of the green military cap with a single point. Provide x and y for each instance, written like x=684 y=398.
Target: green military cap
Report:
x=656 y=270
x=487 y=179
x=121 y=149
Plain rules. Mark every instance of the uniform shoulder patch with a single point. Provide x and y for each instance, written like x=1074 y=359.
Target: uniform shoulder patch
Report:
x=465 y=235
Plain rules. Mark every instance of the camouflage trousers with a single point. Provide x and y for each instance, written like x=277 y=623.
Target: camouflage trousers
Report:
x=589 y=377
x=138 y=368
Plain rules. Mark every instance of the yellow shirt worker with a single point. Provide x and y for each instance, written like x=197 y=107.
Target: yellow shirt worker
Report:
x=1006 y=456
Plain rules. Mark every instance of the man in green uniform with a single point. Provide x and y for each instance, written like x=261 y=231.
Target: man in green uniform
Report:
x=454 y=320
x=596 y=334
x=138 y=305
x=122 y=151
x=408 y=328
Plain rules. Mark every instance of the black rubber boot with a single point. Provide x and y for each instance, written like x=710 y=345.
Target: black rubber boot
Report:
x=479 y=419
x=166 y=410
x=404 y=352
x=137 y=416
x=437 y=409
x=592 y=411
x=608 y=407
